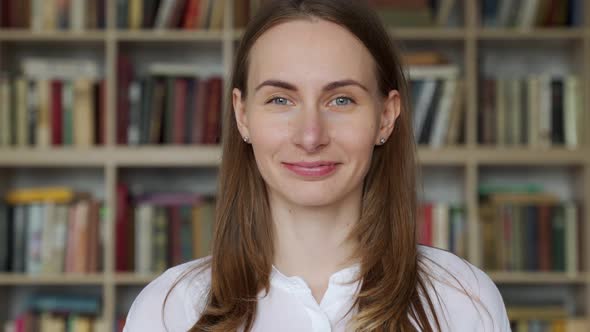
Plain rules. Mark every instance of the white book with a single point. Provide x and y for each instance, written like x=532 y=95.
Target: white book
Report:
x=5 y=109
x=533 y=85
x=47 y=242
x=78 y=15
x=37 y=15
x=527 y=14
x=444 y=12
x=34 y=237
x=441 y=225
x=144 y=215
x=441 y=122
x=433 y=71
x=64 y=69
x=572 y=111
x=571 y=238
x=422 y=104
x=183 y=70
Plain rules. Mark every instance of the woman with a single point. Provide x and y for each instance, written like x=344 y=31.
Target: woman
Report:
x=316 y=216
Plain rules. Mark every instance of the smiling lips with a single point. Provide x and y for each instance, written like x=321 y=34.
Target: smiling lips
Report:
x=315 y=169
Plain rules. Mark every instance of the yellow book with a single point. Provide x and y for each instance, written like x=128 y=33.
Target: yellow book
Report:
x=558 y=325
x=545 y=312
x=30 y=195
x=135 y=14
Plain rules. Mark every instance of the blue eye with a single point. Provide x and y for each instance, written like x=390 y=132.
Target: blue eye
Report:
x=343 y=101
x=279 y=101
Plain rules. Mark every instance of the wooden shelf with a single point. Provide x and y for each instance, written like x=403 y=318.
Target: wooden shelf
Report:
x=13 y=279
x=428 y=33
x=25 y=35
x=538 y=278
x=134 y=279
x=530 y=34
x=206 y=156
x=210 y=156
x=155 y=35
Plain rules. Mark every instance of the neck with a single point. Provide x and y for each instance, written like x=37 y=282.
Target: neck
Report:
x=312 y=242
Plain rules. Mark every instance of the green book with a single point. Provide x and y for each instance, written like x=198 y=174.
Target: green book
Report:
x=68 y=113
x=558 y=239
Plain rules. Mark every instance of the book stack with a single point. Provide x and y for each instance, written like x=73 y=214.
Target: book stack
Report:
x=443 y=226
x=170 y=14
x=44 y=15
x=438 y=104
x=538 y=111
x=159 y=230
x=168 y=106
x=54 y=102
x=544 y=319
x=523 y=231
x=528 y=14
x=52 y=313
x=414 y=13
x=50 y=231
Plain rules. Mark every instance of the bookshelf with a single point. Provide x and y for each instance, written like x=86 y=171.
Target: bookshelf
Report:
x=470 y=159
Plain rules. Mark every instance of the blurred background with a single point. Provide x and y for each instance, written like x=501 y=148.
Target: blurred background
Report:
x=110 y=131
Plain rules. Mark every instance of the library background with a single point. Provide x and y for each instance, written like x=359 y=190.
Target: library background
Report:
x=109 y=147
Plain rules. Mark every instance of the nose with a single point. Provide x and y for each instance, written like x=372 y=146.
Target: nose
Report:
x=310 y=132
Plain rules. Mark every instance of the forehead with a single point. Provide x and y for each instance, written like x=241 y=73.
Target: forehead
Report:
x=306 y=51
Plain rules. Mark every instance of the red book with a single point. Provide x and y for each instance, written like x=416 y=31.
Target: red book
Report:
x=180 y=86
x=102 y=112
x=544 y=230
x=56 y=113
x=191 y=14
x=174 y=248
x=122 y=235
x=426 y=229
x=125 y=72
x=5 y=13
x=213 y=112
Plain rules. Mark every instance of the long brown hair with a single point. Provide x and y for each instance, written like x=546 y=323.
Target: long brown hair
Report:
x=395 y=283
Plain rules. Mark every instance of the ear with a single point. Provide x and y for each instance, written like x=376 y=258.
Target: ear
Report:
x=391 y=111
x=240 y=112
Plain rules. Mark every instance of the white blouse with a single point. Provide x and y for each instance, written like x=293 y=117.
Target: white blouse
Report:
x=290 y=306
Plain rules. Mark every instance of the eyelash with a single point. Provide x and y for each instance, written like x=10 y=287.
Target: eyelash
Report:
x=351 y=100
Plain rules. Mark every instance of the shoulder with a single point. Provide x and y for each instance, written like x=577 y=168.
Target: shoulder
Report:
x=466 y=299
x=186 y=285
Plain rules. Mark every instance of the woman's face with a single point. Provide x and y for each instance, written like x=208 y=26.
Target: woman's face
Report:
x=313 y=113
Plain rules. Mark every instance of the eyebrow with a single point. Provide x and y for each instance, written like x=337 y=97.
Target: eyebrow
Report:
x=328 y=87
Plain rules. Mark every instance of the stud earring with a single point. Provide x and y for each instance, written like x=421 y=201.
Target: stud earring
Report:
x=382 y=141
x=246 y=139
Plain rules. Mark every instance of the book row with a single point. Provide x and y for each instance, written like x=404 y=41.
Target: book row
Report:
x=437 y=96
x=443 y=226
x=526 y=14
x=43 y=15
x=415 y=13
x=172 y=14
x=51 y=112
x=538 y=111
x=543 y=318
x=159 y=230
x=50 y=231
x=530 y=232
x=166 y=107
x=58 y=313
